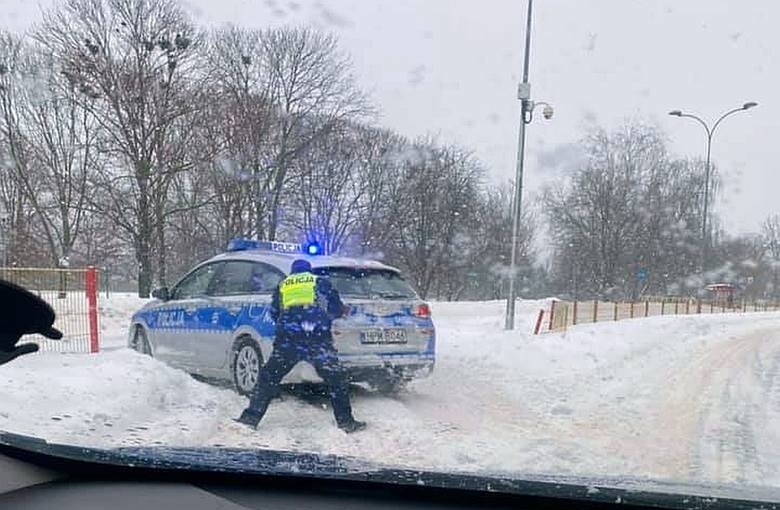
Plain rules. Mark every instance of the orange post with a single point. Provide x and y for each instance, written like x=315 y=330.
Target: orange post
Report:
x=91 y=287
x=539 y=322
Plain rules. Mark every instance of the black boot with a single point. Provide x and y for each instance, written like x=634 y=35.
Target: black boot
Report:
x=352 y=426
x=249 y=418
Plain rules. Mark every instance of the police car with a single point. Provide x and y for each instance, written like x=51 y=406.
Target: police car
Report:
x=215 y=321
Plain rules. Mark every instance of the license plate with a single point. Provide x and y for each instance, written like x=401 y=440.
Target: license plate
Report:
x=383 y=336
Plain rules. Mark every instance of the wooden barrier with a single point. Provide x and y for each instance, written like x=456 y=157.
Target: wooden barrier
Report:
x=563 y=314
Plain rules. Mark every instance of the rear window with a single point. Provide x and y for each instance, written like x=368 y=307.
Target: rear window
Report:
x=367 y=283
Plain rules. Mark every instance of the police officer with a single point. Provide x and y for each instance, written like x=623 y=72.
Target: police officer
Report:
x=303 y=307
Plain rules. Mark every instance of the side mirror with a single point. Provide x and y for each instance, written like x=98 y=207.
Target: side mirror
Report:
x=161 y=294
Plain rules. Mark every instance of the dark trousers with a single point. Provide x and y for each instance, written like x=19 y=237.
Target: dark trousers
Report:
x=288 y=351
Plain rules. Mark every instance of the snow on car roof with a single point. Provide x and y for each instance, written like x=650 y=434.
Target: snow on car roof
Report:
x=283 y=261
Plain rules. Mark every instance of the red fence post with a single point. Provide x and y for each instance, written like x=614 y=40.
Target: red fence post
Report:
x=94 y=343
x=539 y=322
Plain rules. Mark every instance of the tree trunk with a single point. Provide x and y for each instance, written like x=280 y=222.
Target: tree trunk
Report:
x=162 y=270
x=144 y=259
x=144 y=243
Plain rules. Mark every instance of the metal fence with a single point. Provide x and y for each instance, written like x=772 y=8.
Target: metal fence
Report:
x=562 y=314
x=72 y=293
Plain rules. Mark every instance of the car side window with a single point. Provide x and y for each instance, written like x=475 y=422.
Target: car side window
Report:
x=235 y=277
x=265 y=278
x=196 y=283
x=243 y=277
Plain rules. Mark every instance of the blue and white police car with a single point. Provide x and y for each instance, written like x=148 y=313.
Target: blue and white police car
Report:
x=215 y=323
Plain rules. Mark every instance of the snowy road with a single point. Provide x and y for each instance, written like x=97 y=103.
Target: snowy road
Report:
x=675 y=398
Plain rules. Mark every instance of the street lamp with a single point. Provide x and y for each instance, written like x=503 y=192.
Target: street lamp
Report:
x=710 y=132
x=526 y=116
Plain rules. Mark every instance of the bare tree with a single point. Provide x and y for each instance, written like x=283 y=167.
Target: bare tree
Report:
x=311 y=90
x=384 y=156
x=342 y=182
x=770 y=231
x=245 y=117
x=439 y=191
x=488 y=248
x=61 y=137
x=16 y=159
x=132 y=60
x=629 y=210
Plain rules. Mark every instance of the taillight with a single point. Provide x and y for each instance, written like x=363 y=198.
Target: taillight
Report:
x=423 y=311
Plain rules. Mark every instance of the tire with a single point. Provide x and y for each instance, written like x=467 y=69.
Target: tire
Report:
x=389 y=384
x=247 y=360
x=140 y=341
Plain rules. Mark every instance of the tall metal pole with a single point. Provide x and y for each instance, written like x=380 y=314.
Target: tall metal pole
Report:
x=704 y=236
x=524 y=96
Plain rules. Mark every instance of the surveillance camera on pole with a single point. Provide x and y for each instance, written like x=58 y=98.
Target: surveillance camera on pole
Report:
x=526 y=116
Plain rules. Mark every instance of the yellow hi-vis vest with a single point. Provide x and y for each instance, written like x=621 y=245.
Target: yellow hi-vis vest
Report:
x=298 y=290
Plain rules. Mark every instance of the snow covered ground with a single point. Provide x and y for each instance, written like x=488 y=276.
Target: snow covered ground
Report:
x=673 y=398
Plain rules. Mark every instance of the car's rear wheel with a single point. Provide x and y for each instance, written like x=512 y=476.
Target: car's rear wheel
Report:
x=389 y=384
x=140 y=341
x=247 y=360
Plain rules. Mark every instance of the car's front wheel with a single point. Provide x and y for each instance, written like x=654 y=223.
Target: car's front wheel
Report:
x=247 y=360
x=140 y=341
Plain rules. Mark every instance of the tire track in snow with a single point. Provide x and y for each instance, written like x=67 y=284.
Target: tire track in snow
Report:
x=714 y=409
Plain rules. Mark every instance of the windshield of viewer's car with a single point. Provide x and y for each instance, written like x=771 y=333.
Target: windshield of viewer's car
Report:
x=551 y=232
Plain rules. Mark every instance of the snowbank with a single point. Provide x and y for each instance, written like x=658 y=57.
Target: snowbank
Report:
x=692 y=398
x=114 y=318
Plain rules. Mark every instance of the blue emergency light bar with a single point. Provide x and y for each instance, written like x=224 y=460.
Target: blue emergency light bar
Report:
x=242 y=244
x=313 y=248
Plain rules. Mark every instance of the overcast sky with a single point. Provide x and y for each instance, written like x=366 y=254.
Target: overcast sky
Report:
x=450 y=67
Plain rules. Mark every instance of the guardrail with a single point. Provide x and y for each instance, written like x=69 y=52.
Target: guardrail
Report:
x=562 y=314
x=72 y=293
